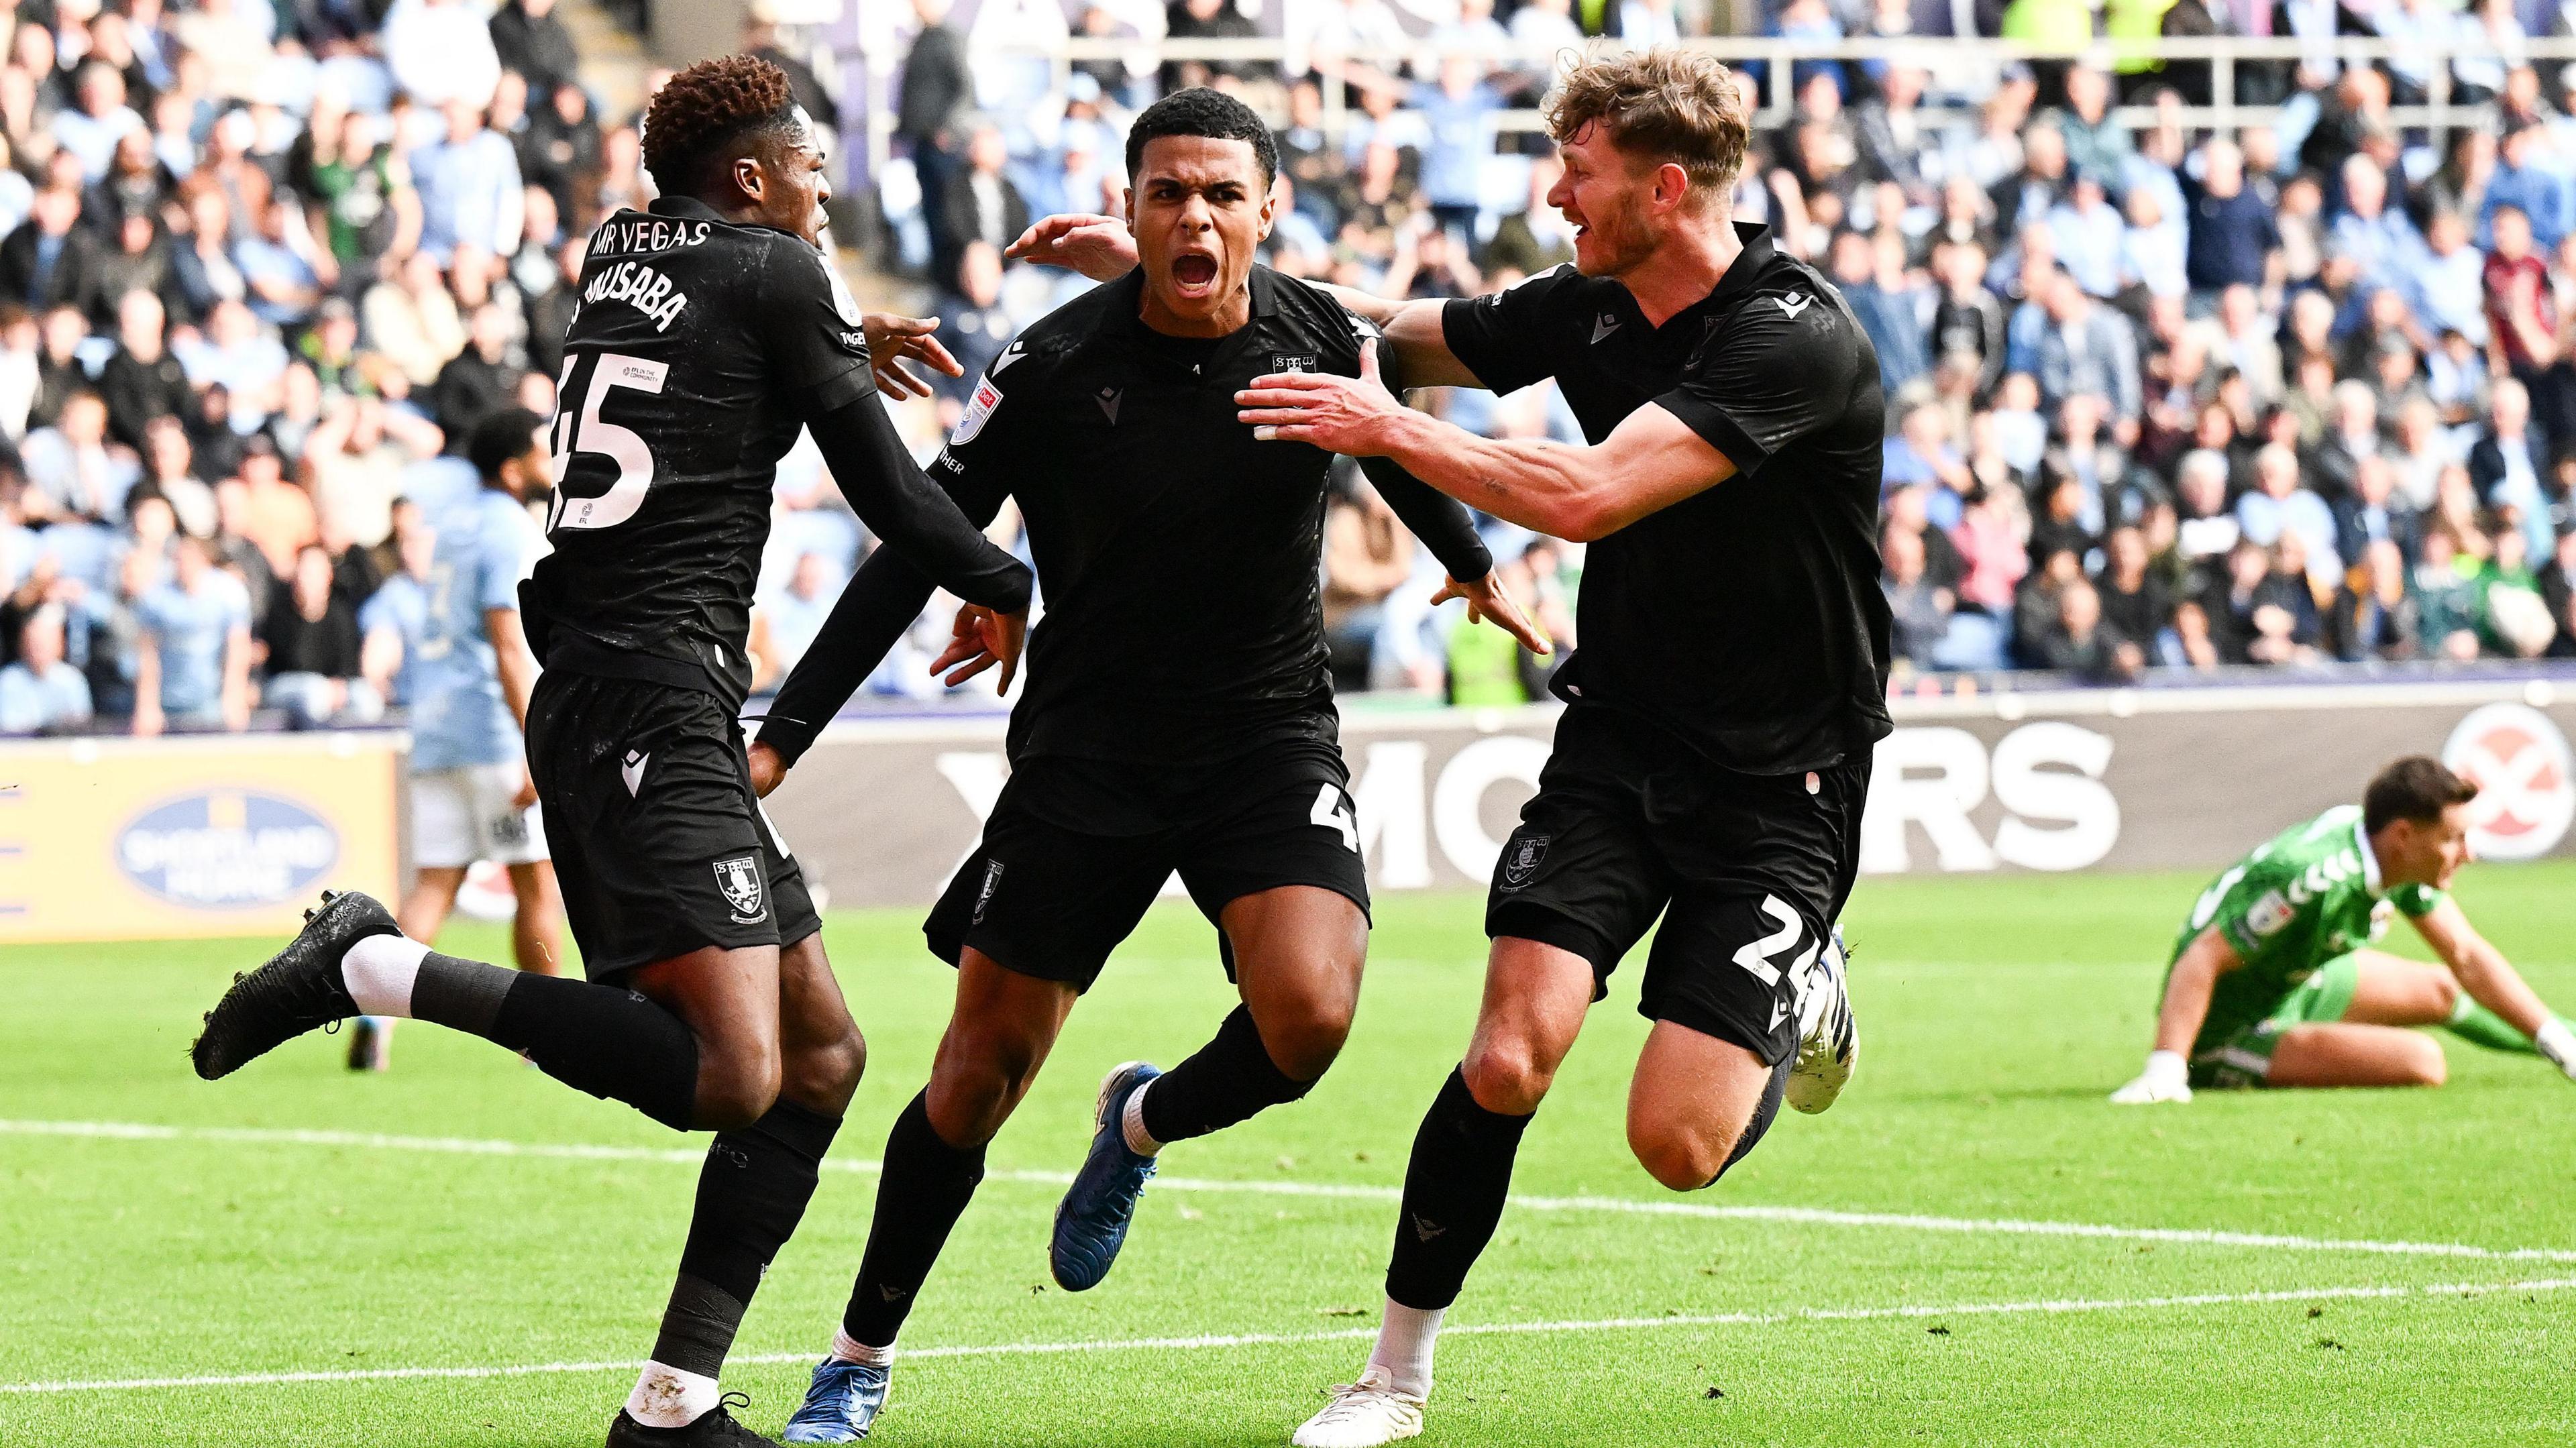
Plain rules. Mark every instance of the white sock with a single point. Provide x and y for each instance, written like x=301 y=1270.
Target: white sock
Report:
x=2557 y=1042
x=1403 y=1351
x=379 y=972
x=666 y=1397
x=1131 y=1123
x=850 y=1350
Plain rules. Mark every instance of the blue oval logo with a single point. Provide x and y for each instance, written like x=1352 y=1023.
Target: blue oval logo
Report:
x=227 y=849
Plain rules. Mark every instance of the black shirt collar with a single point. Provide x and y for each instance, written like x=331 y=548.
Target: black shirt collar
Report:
x=688 y=207
x=1748 y=266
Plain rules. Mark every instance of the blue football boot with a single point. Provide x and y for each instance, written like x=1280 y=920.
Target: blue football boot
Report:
x=1091 y=1221
x=842 y=1403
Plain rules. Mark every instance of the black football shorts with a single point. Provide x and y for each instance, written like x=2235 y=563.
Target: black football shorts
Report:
x=1076 y=850
x=659 y=843
x=1748 y=871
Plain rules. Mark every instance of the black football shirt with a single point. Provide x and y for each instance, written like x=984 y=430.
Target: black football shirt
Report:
x=699 y=350
x=1746 y=619
x=1179 y=557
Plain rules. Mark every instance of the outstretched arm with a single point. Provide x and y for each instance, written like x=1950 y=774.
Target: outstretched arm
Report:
x=2186 y=1004
x=1579 y=492
x=2492 y=981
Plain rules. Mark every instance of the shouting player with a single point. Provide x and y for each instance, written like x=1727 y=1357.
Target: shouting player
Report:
x=471 y=795
x=1714 y=755
x=1178 y=717
x=710 y=331
x=2273 y=981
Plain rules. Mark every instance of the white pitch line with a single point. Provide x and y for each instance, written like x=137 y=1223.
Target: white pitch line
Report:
x=1809 y=1216
x=1202 y=1342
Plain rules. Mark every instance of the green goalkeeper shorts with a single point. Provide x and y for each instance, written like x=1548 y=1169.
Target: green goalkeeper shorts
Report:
x=2243 y=1061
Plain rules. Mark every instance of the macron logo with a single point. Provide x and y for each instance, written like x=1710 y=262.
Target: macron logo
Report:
x=1794 y=305
x=1010 y=354
x=1608 y=324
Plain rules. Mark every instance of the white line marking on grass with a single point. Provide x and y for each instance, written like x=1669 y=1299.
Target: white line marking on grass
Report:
x=1810 y=1216
x=1202 y=1342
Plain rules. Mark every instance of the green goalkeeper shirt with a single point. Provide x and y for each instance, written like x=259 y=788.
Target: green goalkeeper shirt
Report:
x=2310 y=894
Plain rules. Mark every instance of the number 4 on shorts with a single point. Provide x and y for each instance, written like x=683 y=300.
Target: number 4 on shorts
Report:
x=1328 y=812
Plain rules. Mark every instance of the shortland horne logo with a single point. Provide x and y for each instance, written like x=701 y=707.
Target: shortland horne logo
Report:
x=2526 y=780
x=227 y=849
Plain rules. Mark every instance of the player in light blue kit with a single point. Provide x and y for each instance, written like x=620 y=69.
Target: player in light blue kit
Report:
x=467 y=670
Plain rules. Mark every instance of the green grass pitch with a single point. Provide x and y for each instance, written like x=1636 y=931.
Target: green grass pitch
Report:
x=1996 y=1015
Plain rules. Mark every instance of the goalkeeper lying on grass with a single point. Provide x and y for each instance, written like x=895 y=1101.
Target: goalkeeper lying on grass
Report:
x=2273 y=982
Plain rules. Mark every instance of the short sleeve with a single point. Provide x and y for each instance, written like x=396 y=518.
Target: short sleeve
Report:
x=1505 y=337
x=809 y=325
x=1780 y=368
x=2416 y=901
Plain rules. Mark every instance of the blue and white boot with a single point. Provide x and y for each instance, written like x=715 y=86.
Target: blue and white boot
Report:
x=842 y=1404
x=1091 y=1221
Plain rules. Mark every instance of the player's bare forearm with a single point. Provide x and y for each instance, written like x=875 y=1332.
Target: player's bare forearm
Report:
x=2187 y=991
x=1548 y=486
x=1648 y=462
x=512 y=660
x=2482 y=970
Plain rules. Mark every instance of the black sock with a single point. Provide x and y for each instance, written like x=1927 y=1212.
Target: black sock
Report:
x=751 y=1193
x=1453 y=1195
x=609 y=1042
x=923 y=1190
x=1225 y=1081
x=1763 y=1115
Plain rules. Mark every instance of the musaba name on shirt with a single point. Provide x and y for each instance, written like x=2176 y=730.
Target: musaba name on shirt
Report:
x=640 y=287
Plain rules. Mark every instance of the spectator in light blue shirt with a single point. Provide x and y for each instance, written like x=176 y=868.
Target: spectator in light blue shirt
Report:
x=2450 y=286
x=2087 y=229
x=275 y=263
x=91 y=131
x=80 y=472
x=1460 y=113
x=2280 y=505
x=796 y=612
x=2373 y=235
x=192 y=654
x=469 y=188
x=2525 y=180
x=395 y=618
x=41 y=693
x=2087 y=347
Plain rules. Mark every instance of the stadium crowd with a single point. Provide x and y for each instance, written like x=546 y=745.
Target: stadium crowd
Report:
x=2298 y=394
x=2165 y=399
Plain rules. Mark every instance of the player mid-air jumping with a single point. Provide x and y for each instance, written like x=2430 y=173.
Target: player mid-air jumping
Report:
x=1715 y=751
x=1178 y=717
x=2273 y=980
x=711 y=330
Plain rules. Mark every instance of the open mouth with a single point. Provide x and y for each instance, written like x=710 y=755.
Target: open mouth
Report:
x=1195 y=274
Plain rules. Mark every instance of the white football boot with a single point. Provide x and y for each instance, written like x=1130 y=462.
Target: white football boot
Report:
x=1364 y=1414
x=1828 y=1042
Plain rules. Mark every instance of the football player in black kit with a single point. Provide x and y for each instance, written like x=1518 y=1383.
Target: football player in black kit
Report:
x=1178 y=715
x=710 y=331
x=1714 y=755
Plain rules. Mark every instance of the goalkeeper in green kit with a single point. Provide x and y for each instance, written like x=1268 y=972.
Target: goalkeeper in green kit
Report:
x=2274 y=983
